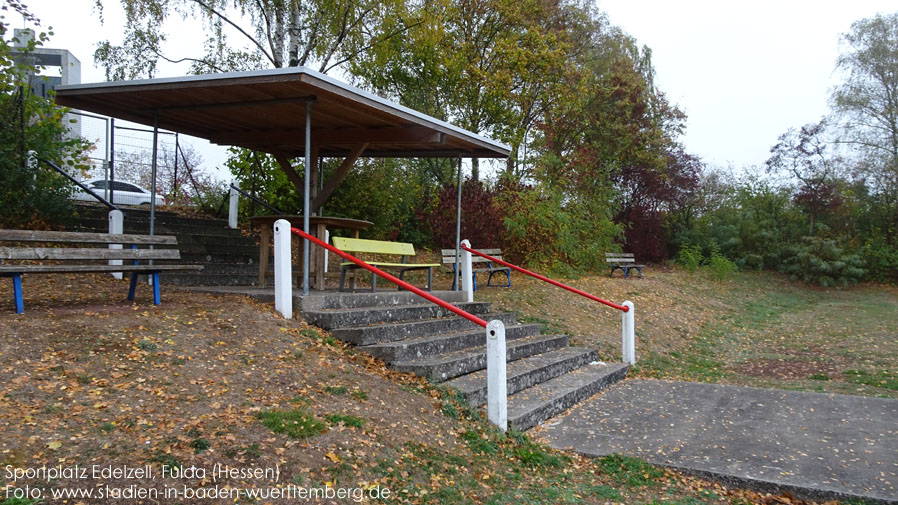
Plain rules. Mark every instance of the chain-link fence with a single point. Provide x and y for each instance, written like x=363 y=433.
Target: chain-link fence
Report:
x=186 y=168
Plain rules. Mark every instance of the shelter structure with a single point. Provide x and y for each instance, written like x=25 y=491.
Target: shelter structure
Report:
x=290 y=113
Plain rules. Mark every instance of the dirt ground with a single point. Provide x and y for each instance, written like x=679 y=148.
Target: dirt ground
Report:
x=88 y=378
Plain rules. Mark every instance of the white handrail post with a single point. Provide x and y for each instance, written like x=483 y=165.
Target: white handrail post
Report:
x=467 y=273
x=232 y=208
x=283 y=269
x=116 y=226
x=497 y=400
x=628 y=333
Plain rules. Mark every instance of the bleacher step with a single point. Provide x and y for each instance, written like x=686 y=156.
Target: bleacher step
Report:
x=532 y=406
x=457 y=363
x=524 y=373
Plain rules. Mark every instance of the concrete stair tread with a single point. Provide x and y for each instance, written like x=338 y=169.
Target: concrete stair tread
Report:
x=391 y=332
x=445 y=341
x=524 y=373
x=368 y=316
x=451 y=356
x=534 y=405
x=484 y=305
x=456 y=363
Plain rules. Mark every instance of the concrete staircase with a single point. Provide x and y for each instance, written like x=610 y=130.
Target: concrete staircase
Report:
x=545 y=375
x=228 y=257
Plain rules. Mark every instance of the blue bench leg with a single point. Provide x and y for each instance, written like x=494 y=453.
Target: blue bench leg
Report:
x=157 y=298
x=17 y=293
x=133 y=286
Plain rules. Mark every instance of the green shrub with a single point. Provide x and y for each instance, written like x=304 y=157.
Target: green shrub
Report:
x=822 y=261
x=721 y=267
x=881 y=260
x=546 y=230
x=690 y=257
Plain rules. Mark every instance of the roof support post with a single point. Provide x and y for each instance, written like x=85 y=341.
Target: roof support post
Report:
x=458 y=227
x=153 y=181
x=307 y=206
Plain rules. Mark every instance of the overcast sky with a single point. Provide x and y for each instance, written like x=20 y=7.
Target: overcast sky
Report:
x=743 y=72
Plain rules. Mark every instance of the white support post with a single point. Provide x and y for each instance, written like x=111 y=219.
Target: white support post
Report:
x=628 y=334
x=232 y=209
x=116 y=226
x=467 y=272
x=327 y=240
x=496 y=392
x=283 y=269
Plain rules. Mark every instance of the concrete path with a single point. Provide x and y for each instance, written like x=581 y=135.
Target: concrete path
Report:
x=816 y=446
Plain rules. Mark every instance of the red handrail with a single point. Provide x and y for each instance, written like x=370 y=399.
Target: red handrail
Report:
x=623 y=308
x=429 y=297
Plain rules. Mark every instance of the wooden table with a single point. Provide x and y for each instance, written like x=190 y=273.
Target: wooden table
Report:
x=318 y=225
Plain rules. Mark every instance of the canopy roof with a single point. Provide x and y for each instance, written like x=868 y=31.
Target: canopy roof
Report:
x=265 y=110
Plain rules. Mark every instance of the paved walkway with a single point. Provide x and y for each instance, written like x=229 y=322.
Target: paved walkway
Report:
x=816 y=446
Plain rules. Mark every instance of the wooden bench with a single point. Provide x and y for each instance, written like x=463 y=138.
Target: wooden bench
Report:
x=86 y=258
x=449 y=259
x=623 y=262
x=403 y=249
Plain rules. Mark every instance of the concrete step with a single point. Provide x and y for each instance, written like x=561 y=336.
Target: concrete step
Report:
x=343 y=318
x=433 y=345
x=240 y=250
x=525 y=373
x=379 y=333
x=532 y=406
x=236 y=259
x=163 y=228
x=203 y=279
x=384 y=298
x=457 y=363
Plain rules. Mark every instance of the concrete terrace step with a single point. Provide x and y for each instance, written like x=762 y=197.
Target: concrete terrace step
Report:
x=343 y=318
x=433 y=345
x=379 y=333
x=381 y=298
x=525 y=373
x=454 y=364
x=203 y=279
x=532 y=406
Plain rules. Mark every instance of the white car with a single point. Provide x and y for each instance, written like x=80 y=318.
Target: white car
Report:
x=124 y=193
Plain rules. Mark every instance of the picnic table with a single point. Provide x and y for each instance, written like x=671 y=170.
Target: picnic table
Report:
x=318 y=226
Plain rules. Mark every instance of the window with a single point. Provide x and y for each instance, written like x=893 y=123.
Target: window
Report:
x=124 y=186
x=98 y=185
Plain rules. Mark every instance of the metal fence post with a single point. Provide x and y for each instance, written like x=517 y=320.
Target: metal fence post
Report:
x=628 y=334
x=232 y=208
x=467 y=271
x=497 y=401
x=116 y=226
x=283 y=269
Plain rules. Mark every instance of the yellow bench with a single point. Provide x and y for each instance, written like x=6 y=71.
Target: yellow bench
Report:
x=403 y=249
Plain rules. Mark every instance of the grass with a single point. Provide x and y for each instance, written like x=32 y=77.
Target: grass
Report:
x=295 y=423
x=631 y=472
x=752 y=329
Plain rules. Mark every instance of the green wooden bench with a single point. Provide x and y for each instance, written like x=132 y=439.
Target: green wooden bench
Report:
x=449 y=259
x=403 y=249
x=623 y=262
x=83 y=259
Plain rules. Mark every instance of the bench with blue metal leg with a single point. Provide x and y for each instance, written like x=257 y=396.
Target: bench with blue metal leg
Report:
x=61 y=258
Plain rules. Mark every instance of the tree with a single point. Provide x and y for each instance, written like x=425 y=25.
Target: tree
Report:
x=489 y=66
x=867 y=102
x=29 y=195
x=803 y=154
x=281 y=33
